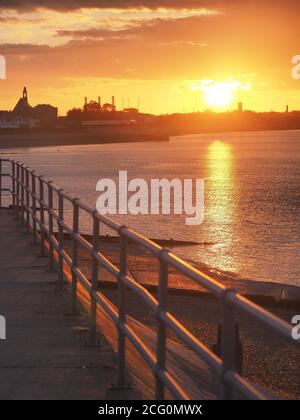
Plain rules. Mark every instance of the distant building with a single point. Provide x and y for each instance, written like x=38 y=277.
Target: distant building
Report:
x=25 y=116
x=240 y=107
x=96 y=114
x=22 y=107
x=46 y=114
x=106 y=123
x=131 y=110
x=9 y=119
x=94 y=106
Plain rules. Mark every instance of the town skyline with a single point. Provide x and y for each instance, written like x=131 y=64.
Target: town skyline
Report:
x=121 y=104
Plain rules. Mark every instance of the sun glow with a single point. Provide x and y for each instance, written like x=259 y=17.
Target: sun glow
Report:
x=219 y=95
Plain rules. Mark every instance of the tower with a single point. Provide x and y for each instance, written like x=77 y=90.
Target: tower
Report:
x=113 y=103
x=240 y=107
x=25 y=95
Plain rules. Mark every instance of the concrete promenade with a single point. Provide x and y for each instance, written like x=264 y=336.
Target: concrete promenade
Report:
x=43 y=356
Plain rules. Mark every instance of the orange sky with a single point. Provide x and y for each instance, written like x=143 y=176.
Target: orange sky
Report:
x=165 y=52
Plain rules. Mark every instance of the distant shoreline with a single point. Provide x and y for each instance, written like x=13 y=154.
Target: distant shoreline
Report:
x=48 y=138
x=182 y=133
x=105 y=135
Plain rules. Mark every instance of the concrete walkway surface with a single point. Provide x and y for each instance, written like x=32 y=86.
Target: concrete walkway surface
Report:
x=43 y=356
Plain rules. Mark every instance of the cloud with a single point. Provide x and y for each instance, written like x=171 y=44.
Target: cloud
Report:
x=138 y=4
x=16 y=49
x=105 y=4
x=175 y=30
x=187 y=48
x=19 y=21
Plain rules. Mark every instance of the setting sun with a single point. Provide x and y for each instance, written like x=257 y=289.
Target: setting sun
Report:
x=219 y=94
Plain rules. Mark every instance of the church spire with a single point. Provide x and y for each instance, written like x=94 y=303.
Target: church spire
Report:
x=25 y=95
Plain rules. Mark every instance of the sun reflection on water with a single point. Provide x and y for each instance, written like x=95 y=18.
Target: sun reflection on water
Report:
x=221 y=202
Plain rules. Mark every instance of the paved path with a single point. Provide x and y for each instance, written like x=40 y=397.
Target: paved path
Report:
x=44 y=356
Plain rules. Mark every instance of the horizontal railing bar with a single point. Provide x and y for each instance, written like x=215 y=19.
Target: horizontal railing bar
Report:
x=67 y=196
x=66 y=227
x=52 y=239
x=141 y=291
x=108 y=222
x=83 y=242
x=106 y=305
x=151 y=361
x=53 y=214
x=241 y=385
x=110 y=267
x=85 y=207
x=209 y=357
x=101 y=259
x=142 y=241
x=55 y=187
x=172 y=385
x=82 y=278
x=202 y=279
x=264 y=316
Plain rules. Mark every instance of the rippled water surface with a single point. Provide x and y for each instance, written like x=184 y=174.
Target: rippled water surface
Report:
x=252 y=194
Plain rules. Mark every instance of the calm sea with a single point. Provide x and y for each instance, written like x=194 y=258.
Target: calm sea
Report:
x=252 y=194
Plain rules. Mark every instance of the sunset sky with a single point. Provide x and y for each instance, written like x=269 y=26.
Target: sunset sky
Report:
x=176 y=55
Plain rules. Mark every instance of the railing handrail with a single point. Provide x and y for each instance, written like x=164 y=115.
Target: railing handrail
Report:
x=27 y=190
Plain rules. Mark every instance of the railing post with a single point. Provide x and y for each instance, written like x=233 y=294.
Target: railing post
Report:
x=228 y=343
x=42 y=216
x=60 y=239
x=0 y=182
x=96 y=245
x=27 y=200
x=161 y=327
x=22 y=195
x=33 y=195
x=74 y=309
x=18 y=191
x=13 y=186
x=122 y=311
x=50 y=222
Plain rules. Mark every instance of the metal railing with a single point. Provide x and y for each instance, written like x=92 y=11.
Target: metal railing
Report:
x=30 y=206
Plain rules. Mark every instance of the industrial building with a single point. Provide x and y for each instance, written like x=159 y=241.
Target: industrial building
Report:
x=94 y=106
x=94 y=113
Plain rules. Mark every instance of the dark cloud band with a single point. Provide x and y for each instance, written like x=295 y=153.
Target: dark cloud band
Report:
x=118 y=4
x=68 y=5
